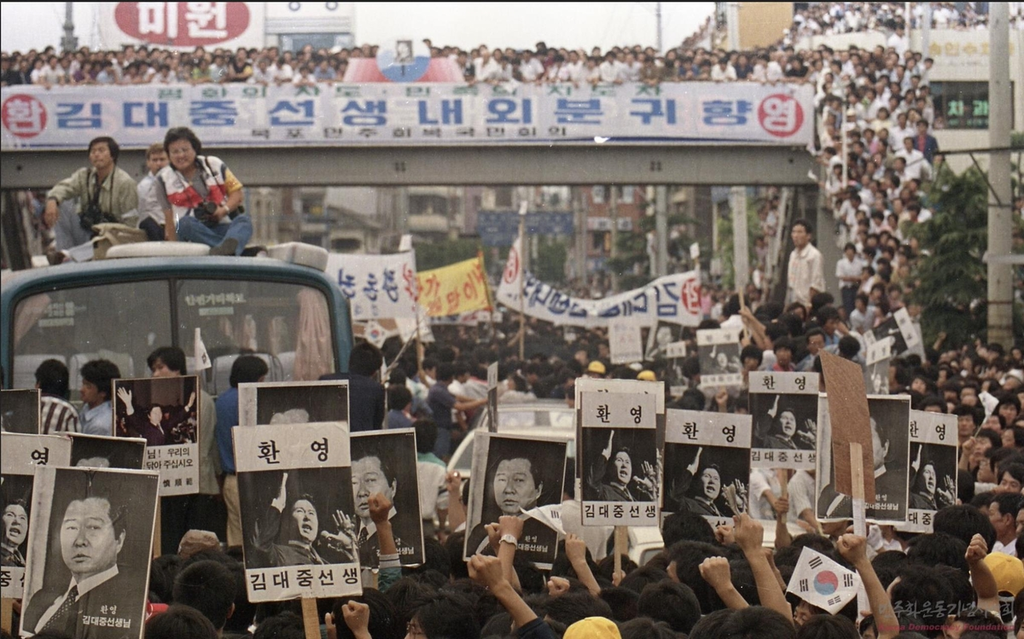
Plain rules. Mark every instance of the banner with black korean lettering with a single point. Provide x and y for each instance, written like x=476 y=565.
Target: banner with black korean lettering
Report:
x=299 y=524
x=719 y=352
x=933 y=468
x=384 y=461
x=707 y=464
x=617 y=459
x=890 y=434
x=784 y=408
x=521 y=477
x=293 y=402
x=402 y=114
x=164 y=411
x=22 y=454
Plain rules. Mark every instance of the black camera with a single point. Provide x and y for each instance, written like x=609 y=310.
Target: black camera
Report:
x=91 y=216
x=204 y=213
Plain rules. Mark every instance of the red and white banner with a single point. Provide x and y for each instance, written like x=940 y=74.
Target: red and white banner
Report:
x=182 y=25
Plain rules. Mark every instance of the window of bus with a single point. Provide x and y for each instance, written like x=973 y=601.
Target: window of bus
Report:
x=121 y=322
x=288 y=325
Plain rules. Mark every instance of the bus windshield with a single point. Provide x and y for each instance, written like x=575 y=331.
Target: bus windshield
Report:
x=286 y=324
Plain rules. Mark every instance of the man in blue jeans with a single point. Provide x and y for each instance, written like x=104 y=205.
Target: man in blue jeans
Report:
x=200 y=197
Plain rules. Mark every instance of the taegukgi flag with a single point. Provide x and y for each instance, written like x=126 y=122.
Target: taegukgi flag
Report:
x=822 y=582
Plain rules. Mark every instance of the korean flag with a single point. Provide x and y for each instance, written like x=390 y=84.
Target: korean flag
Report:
x=822 y=582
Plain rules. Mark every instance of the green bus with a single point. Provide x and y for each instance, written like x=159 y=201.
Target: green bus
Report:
x=121 y=310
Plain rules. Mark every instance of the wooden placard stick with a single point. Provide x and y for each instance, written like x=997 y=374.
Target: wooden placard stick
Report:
x=7 y=614
x=857 y=476
x=311 y=618
x=621 y=546
x=157 y=538
x=783 y=490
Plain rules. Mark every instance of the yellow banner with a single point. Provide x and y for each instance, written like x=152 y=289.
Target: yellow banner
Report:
x=454 y=289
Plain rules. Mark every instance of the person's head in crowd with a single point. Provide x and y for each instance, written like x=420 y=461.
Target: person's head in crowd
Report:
x=783 y=349
x=97 y=376
x=426 y=435
x=399 y=398
x=963 y=522
x=918 y=585
x=684 y=559
x=444 y=615
x=623 y=601
x=686 y=525
x=1009 y=408
x=247 y=369
x=801 y=233
x=209 y=587
x=284 y=625
x=445 y=373
x=177 y=622
x=574 y=606
x=751 y=356
x=1002 y=513
x=671 y=602
x=365 y=359
x=825 y=626
x=596 y=627
x=167 y=361
x=52 y=378
x=849 y=347
x=937 y=549
x=646 y=628
x=1013 y=437
x=755 y=622
x=1010 y=476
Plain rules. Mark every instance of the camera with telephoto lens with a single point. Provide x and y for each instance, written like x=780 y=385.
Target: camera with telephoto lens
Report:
x=204 y=213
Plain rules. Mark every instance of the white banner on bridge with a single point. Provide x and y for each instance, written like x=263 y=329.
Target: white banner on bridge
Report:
x=378 y=114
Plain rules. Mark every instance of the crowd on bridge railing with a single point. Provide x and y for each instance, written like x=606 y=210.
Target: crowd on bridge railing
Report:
x=495 y=65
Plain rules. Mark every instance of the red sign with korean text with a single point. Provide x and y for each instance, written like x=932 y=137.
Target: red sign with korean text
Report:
x=183 y=23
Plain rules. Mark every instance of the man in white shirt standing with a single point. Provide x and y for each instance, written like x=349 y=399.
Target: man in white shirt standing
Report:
x=151 y=215
x=723 y=71
x=806 y=274
x=917 y=167
x=848 y=270
x=530 y=68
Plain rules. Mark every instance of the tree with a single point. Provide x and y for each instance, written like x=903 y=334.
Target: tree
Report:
x=952 y=278
x=431 y=255
x=633 y=264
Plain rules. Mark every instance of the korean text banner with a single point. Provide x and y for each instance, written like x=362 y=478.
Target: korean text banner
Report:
x=376 y=286
x=454 y=289
x=375 y=114
x=674 y=299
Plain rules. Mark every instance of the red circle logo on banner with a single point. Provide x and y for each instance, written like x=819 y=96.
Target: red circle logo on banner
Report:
x=689 y=297
x=23 y=115
x=780 y=115
x=512 y=268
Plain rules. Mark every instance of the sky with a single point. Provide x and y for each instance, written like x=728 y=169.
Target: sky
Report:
x=466 y=25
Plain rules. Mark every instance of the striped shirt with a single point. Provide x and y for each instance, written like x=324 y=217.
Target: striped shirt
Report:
x=56 y=415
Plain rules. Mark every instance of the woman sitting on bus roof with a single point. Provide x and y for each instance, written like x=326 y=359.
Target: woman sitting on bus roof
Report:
x=201 y=197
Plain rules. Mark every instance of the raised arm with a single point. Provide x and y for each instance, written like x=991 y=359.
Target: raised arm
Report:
x=750 y=538
x=854 y=549
x=715 y=571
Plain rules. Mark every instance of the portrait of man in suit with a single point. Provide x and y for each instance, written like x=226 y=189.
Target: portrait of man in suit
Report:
x=372 y=473
x=93 y=531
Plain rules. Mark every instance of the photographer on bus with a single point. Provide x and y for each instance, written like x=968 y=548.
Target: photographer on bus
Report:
x=201 y=197
x=104 y=192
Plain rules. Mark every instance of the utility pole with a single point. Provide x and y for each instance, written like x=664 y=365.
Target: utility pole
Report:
x=926 y=27
x=69 y=42
x=613 y=214
x=657 y=15
x=581 y=233
x=1000 y=224
x=661 y=229
x=740 y=244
